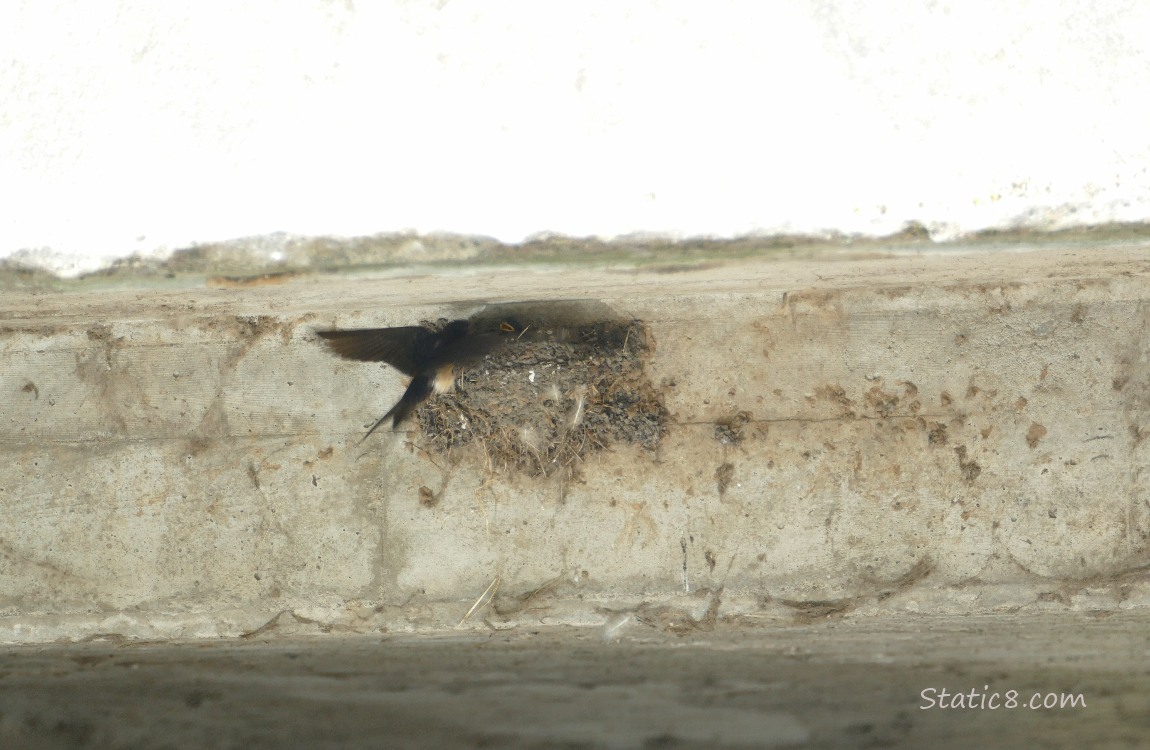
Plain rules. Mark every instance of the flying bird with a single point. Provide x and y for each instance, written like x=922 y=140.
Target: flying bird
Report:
x=429 y=355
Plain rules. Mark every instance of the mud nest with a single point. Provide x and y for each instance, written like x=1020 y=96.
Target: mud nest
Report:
x=546 y=401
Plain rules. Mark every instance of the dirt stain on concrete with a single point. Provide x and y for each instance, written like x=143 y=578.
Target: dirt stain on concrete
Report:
x=1035 y=434
x=970 y=468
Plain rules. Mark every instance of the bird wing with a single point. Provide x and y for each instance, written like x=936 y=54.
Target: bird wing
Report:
x=395 y=346
x=469 y=350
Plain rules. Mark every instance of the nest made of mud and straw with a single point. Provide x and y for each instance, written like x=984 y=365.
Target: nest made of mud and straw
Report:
x=541 y=405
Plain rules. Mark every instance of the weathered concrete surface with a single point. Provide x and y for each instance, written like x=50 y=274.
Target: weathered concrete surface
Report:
x=961 y=433
x=1055 y=680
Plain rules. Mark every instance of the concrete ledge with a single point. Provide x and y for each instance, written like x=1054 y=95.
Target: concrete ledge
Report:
x=1055 y=681
x=961 y=433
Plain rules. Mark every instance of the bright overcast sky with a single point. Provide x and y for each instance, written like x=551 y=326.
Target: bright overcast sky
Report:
x=132 y=126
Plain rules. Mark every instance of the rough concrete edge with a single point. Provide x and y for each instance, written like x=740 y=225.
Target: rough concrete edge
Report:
x=702 y=611
x=276 y=258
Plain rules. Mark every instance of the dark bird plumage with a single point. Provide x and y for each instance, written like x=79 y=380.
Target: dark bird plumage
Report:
x=428 y=355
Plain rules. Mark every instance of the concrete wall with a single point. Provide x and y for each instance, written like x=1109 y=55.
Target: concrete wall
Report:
x=956 y=433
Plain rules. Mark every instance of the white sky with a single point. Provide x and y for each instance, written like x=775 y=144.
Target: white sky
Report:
x=133 y=126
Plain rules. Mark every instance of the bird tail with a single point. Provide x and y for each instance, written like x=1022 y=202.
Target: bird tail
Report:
x=420 y=388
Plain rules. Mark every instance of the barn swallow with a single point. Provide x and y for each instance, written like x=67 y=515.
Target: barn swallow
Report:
x=428 y=355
